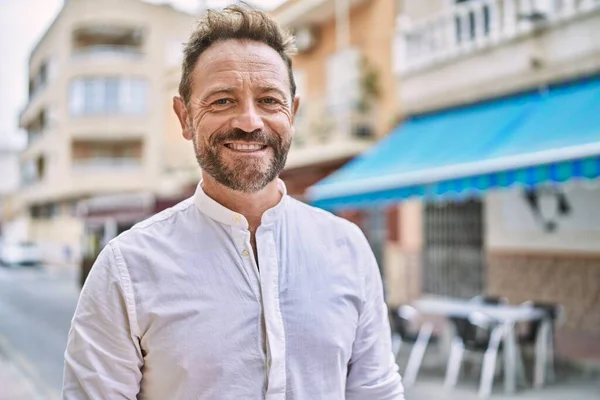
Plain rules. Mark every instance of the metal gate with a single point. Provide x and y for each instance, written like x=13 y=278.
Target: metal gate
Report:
x=453 y=258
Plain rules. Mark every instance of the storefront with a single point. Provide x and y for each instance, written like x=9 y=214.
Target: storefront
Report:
x=508 y=198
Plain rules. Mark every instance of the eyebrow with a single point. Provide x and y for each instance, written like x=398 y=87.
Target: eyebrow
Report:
x=272 y=88
x=218 y=90
x=232 y=89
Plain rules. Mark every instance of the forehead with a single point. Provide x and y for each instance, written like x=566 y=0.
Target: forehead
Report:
x=235 y=61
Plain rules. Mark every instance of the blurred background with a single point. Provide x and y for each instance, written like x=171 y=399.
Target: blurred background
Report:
x=462 y=136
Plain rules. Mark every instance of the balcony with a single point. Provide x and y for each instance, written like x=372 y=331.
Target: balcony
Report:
x=103 y=51
x=107 y=164
x=33 y=171
x=118 y=156
x=101 y=41
x=479 y=49
x=326 y=132
x=475 y=25
x=37 y=127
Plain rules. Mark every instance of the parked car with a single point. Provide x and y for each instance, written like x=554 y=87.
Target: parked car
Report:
x=20 y=253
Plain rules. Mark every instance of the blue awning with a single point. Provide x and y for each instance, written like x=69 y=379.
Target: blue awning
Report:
x=529 y=139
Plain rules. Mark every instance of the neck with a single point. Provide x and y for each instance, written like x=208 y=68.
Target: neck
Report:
x=251 y=205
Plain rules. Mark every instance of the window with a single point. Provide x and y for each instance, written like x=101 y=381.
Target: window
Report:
x=33 y=171
x=46 y=72
x=106 y=154
x=45 y=210
x=108 y=96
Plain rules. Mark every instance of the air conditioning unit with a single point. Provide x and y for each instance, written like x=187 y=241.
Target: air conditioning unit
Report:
x=538 y=10
x=363 y=130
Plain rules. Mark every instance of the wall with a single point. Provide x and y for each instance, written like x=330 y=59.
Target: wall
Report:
x=371 y=30
x=403 y=258
x=512 y=227
x=9 y=165
x=563 y=267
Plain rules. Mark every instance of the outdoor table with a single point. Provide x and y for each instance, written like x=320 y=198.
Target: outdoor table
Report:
x=507 y=315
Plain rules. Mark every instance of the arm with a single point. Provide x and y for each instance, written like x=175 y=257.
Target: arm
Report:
x=103 y=357
x=372 y=372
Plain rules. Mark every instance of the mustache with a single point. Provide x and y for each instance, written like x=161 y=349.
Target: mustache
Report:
x=239 y=135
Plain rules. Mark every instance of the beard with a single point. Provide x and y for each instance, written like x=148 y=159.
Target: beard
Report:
x=243 y=174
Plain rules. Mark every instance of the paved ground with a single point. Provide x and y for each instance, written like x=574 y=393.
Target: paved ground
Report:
x=14 y=385
x=583 y=388
x=36 y=306
x=570 y=384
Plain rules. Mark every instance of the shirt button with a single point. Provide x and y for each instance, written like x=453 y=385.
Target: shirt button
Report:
x=237 y=218
x=245 y=253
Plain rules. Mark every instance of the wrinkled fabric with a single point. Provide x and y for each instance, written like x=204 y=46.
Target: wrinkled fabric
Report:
x=177 y=308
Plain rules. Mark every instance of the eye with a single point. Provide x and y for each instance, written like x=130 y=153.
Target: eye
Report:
x=270 y=101
x=222 y=102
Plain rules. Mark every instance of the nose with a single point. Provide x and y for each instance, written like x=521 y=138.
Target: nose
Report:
x=248 y=119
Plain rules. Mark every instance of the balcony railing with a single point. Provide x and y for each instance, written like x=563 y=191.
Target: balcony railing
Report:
x=319 y=123
x=475 y=25
x=107 y=164
x=132 y=52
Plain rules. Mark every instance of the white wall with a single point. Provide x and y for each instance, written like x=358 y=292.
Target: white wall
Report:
x=511 y=224
x=9 y=173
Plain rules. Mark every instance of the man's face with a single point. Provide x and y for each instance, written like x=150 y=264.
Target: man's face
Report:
x=240 y=115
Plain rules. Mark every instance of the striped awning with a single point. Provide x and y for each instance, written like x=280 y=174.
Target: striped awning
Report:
x=542 y=137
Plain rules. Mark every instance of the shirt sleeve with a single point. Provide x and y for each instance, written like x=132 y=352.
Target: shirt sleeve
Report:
x=372 y=371
x=103 y=359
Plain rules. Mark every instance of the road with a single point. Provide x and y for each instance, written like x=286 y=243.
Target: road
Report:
x=36 y=306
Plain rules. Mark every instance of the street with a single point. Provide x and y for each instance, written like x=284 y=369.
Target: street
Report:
x=36 y=306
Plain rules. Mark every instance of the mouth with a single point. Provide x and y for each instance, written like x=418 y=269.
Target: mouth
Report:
x=246 y=147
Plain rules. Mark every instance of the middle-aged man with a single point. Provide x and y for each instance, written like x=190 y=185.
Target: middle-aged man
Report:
x=239 y=292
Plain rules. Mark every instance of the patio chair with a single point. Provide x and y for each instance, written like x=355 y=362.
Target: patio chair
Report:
x=490 y=299
x=480 y=335
x=402 y=319
x=546 y=344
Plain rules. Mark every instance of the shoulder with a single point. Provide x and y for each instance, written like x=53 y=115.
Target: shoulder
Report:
x=157 y=230
x=325 y=223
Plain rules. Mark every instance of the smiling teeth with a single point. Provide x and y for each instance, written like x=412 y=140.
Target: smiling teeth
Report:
x=245 y=147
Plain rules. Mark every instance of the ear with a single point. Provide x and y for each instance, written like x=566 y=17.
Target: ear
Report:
x=182 y=114
x=295 y=107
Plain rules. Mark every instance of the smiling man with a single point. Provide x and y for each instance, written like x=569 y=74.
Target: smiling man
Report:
x=239 y=292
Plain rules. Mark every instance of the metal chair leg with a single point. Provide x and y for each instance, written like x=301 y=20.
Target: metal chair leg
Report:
x=454 y=361
x=541 y=354
x=396 y=345
x=416 y=354
x=489 y=362
x=521 y=376
x=551 y=372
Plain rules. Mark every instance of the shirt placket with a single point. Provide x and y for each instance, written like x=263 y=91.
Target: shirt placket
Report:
x=269 y=286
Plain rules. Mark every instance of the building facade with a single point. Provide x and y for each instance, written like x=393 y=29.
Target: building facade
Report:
x=95 y=120
x=344 y=78
x=543 y=247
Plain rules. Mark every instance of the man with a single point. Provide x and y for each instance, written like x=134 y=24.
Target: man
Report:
x=239 y=292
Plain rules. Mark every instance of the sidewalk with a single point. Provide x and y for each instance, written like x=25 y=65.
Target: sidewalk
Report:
x=572 y=382
x=14 y=384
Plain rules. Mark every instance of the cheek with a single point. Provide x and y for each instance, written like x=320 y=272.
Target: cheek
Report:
x=281 y=123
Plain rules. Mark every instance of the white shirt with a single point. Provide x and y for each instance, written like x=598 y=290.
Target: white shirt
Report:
x=176 y=308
